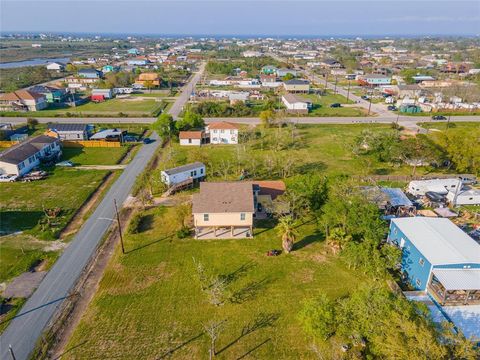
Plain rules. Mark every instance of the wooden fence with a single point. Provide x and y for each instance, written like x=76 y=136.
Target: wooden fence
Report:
x=8 y=143
x=90 y=143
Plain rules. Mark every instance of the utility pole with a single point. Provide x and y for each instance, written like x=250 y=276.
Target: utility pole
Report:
x=369 y=105
x=11 y=352
x=119 y=225
x=348 y=91
x=335 y=90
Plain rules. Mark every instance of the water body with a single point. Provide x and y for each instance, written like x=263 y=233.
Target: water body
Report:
x=32 y=62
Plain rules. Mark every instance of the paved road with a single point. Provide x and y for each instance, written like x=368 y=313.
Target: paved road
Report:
x=177 y=107
x=380 y=109
x=24 y=330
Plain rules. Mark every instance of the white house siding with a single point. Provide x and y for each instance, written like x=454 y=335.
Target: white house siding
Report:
x=298 y=105
x=190 y=142
x=224 y=136
x=7 y=168
x=223 y=219
x=27 y=165
x=173 y=179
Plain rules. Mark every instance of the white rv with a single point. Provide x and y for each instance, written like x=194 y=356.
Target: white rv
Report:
x=467 y=197
x=440 y=186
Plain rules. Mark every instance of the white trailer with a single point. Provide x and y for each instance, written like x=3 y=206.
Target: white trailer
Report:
x=467 y=197
x=194 y=171
x=440 y=186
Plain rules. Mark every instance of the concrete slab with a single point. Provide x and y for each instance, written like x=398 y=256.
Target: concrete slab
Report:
x=223 y=233
x=24 y=285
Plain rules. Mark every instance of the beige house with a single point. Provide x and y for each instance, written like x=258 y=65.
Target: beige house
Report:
x=224 y=210
x=24 y=100
x=297 y=86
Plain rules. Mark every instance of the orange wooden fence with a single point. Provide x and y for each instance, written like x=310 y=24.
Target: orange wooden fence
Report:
x=7 y=143
x=90 y=143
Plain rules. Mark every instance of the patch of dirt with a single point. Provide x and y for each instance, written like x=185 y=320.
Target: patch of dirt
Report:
x=319 y=258
x=55 y=245
x=304 y=276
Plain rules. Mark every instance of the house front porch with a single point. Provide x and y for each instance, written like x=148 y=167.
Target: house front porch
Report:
x=455 y=286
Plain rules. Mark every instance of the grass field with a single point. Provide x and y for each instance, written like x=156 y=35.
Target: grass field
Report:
x=21 y=203
x=325 y=149
x=22 y=211
x=321 y=105
x=150 y=297
x=134 y=107
x=20 y=253
x=94 y=156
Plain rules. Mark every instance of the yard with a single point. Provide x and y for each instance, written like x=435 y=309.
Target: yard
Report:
x=94 y=156
x=318 y=148
x=151 y=297
x=132 y=106
x=321 y=105
x=27 y=241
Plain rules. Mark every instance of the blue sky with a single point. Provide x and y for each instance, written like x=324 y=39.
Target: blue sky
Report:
x=229 y=17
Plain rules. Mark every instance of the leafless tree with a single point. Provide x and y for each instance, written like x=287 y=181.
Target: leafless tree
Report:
x=213 y=329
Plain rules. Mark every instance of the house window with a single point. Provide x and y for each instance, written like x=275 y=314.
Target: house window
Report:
x=242 y=216
x=78 y=136
x=189 y=141
x=418 y=283
x=222 y=131
x=232 y=132
x=421 y=261
x=191 y=173
x=201 y=171
x=21 y=165
x=215 y=131
x=205 y=217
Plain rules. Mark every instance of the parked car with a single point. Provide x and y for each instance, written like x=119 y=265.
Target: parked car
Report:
x=438 y=117
x=65 y=163
x=35 y=175
x=392 y=108
x=8 y=178
x=130 y=138
x=147 y=140
x=365 y=97
x=335 y=105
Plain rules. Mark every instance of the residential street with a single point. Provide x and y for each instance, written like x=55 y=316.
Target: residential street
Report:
x=24 y=331
x=182 y=99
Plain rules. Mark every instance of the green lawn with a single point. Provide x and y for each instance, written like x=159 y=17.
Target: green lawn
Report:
x=21 y=210
x=19 y=253
x=119 y=105
x=94 y=156
x=150 y=297
x=321 y=105
x=21 y=203
x=113 y=107
x=321 y=148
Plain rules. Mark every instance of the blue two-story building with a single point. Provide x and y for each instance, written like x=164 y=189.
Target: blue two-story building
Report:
x=438 y=258
x=90 y=73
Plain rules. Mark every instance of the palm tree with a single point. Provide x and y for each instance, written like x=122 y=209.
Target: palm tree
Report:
x=287 y=231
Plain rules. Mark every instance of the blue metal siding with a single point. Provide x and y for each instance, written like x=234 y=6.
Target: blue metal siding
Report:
x=458 y=266
x=411 y=256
